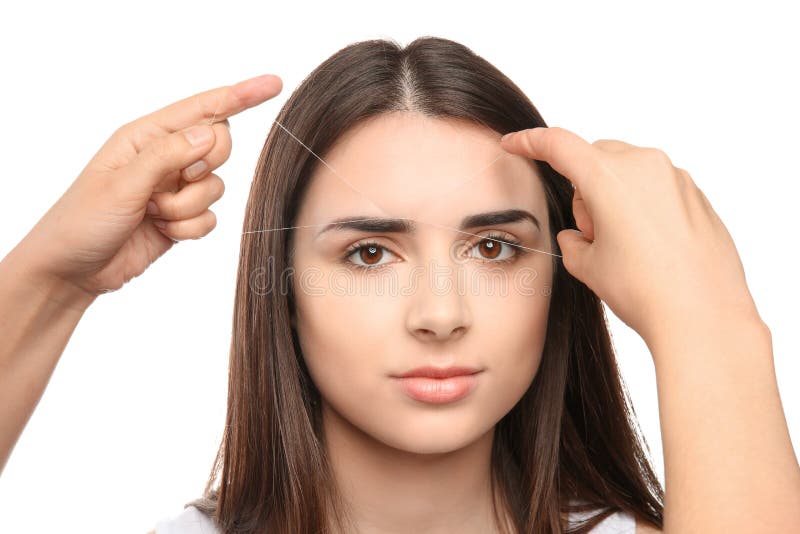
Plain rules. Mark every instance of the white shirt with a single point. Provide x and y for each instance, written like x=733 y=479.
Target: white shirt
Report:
x=193 y=521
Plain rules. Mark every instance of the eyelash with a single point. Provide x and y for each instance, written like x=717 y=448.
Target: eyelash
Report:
x=498 y=237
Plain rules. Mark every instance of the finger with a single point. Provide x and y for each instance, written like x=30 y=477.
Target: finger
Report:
x=613 y=145
x=582 y=218
x=695 y=196
x=220 y=152
x=189 y=202
x=193 y=228
x=217 y=104
x=576 y=252
x=175 y=180
x=706 y=202
x=566 y=152
x=166 y=156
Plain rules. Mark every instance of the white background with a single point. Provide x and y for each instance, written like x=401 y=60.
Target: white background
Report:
x=126 y=432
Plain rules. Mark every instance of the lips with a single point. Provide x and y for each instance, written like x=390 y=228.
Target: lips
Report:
x=437 y=385
x=439 y=372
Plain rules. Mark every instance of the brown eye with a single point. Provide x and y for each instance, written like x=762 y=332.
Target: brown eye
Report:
x=490 y=249
x=496 y=249
x=367 y=256
x=371 y=254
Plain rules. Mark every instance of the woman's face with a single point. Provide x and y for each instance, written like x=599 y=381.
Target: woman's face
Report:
x=430 y=297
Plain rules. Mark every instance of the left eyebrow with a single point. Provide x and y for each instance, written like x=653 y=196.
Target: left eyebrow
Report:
x=386 y=225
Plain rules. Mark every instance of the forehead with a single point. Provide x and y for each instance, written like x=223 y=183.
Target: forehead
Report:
x=403 y=164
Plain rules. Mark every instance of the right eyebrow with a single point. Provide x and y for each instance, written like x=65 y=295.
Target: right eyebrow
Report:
x=363 y=223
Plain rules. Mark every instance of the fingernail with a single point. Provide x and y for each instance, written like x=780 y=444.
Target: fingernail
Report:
x=199 y=135
x=160 y=223
x=264 y=77
x=507 y=136
x=195 y=169
x=152 y=209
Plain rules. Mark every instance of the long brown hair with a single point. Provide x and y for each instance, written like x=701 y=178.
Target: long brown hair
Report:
x=572 y=438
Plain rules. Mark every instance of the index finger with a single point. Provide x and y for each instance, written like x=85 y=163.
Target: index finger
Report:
x=216 y=104
x=566 y=152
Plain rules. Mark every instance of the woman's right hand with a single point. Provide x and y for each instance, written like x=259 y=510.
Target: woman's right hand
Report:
x=99 y=234
x=650 y=244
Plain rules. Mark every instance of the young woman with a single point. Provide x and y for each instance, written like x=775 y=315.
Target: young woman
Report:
x=419 y=342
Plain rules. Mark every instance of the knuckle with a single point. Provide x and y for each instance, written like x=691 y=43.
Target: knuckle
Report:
x=611 y=145
x=569 y=263
x=124 y=130
x=552 y=135
x=704 y=198
x=658 y=155
x=684 y=175
x=218 y=188
x=175 y=207
x=546 y=139
x=227 y=139
x=685 y=180
x=129 y=132
x=224 y=141
x=209 y=223
x=210 y=110
x=178 y=230
x=683 y=183
x=694 y=188
x=212 y=220
x=196 y=227
x=229 y=94
x=200 y=108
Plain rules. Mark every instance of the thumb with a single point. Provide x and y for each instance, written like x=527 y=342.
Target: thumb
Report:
x=575 y=249
x=169 y=154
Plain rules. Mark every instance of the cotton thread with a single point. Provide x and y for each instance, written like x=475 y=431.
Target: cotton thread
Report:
x=365 y=196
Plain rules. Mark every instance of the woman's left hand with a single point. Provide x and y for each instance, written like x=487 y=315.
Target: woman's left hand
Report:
x=652 y=247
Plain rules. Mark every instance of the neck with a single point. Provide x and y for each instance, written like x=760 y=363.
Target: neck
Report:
x=389 y=490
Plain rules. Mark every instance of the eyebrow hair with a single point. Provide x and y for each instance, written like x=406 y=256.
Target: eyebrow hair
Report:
x=388 y=225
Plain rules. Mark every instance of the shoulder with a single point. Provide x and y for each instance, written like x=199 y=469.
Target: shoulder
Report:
x=193 y=521
x=190 y=521
x=646 y=528
x=617 y=523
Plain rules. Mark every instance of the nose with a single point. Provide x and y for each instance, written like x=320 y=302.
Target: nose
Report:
x=438 y=311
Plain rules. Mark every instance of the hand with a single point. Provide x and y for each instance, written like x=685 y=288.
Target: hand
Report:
x=652 y=246
x=97 y=236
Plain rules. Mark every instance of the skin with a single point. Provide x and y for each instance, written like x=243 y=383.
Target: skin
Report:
x=728 y=457
x=408 y=466
x=729 y=462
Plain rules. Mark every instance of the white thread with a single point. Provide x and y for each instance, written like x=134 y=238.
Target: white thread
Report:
x=376 y=205
x=405 y=219
x=342 y=178
x=354 y=188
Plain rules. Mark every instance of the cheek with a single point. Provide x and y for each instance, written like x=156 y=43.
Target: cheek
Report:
x=350 y=341
x=511 y=332
x=344 y=340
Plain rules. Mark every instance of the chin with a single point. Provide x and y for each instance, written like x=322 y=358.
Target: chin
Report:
x=434 y=436
x=429 y=445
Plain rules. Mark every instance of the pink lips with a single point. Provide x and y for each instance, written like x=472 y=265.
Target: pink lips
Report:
x=436 y=385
